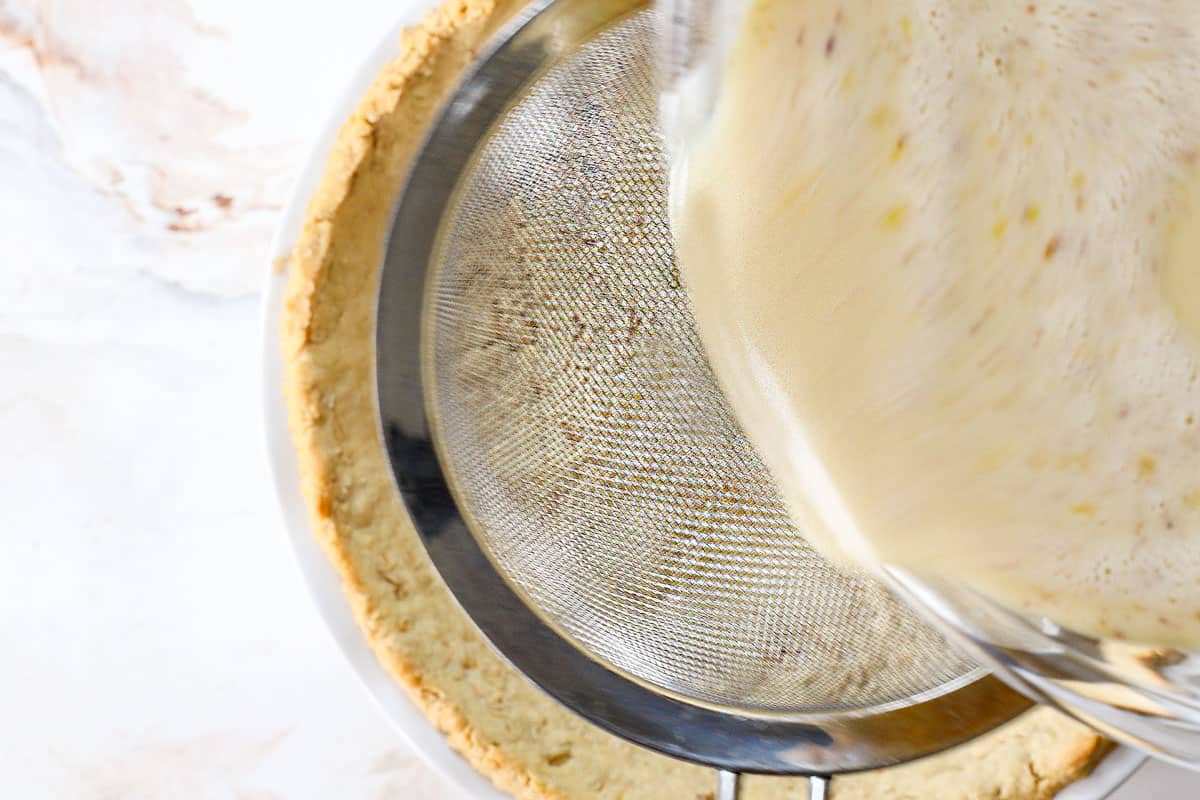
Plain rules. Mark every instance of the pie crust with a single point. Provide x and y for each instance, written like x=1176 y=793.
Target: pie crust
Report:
x=526 y=743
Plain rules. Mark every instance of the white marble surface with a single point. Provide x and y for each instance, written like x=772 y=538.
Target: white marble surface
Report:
x=157 y=641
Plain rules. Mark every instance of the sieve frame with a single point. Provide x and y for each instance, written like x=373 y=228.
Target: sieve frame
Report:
x=817 y=743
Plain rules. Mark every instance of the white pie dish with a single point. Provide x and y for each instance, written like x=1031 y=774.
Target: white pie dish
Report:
x=321 y=578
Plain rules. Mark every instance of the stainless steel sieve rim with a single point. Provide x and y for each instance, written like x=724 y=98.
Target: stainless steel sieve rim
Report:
x=812 y=743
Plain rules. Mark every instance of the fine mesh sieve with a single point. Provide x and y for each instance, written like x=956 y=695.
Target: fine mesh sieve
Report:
x=592 y=502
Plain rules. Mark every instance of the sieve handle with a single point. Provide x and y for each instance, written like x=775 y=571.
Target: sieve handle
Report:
x=727 y=786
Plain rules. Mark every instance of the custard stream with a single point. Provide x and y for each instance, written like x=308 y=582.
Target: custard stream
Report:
x=945 y=259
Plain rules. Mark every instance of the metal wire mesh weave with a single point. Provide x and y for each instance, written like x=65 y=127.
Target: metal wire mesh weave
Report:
x=588 y=443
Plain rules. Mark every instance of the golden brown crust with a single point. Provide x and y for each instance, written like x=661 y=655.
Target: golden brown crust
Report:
x=528 y=745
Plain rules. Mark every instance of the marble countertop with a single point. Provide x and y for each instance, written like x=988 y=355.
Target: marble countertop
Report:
x=158 y=640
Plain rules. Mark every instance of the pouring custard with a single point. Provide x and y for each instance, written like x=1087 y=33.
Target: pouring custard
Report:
x=945 y=259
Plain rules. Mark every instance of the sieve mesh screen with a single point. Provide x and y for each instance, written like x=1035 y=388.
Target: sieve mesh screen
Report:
x=588 y=442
